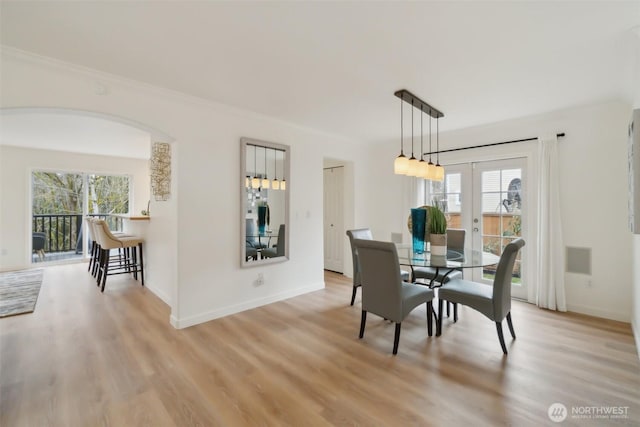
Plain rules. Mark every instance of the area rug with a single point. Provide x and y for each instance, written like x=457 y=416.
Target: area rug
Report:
x=19 y=291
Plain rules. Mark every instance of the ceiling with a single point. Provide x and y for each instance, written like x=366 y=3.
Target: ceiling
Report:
x=334 y=66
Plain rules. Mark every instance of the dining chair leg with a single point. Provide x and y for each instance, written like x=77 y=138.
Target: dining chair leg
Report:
x=91 y=256
x=141 y=264
x=430 y=318
x=105 y=273
x=363 y=321
x=101 y=260
x=353 y=294
x=396 y=338
x=448 y=308
x=501 y=337
x=439 y=320
x=513 y=334
x=455 y=311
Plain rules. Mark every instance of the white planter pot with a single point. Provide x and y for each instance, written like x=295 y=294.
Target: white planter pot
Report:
x=438 y=244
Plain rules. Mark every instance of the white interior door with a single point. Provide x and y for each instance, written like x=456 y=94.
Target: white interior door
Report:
x=333 y=219
x=500 y=206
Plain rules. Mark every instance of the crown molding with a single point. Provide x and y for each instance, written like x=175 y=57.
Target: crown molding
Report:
x=101 y=78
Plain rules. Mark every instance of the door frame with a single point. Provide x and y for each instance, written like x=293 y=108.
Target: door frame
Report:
x=466 y=167
x=337 y=226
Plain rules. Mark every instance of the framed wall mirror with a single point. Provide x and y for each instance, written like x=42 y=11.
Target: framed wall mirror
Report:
x=264 y=189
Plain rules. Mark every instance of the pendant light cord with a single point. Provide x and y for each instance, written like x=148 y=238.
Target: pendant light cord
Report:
x=430 y=140
x=412 y=156
x=421 y=136
x=437 y=141
x=401 y=129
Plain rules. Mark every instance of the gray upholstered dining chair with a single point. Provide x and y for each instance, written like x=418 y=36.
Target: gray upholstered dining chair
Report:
x=38 y=242
x=494 y=302
x=383 y=291
x=364 y=234
x=279 y=249
x=359 y=233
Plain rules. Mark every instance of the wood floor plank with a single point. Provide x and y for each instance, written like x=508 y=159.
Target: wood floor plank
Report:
x=84 y=358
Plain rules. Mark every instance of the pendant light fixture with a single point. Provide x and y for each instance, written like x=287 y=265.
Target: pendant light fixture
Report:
x=283 y=183
x=417 y=168
x=439 y=171
x=401 y=164
x=265 y=180
x=255 y=182
x=275 y=184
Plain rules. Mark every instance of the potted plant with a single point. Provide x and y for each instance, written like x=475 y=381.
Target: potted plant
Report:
x=437 y=230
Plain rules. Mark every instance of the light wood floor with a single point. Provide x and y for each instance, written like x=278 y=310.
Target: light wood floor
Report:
x=90 y=359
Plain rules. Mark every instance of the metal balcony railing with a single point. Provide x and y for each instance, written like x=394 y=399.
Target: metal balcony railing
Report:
x=64 y=232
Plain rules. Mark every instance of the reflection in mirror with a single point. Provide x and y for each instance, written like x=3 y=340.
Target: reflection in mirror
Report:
x=265 y=202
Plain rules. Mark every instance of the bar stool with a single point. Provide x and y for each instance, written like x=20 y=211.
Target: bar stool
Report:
x=95 y=246
x=127 y=264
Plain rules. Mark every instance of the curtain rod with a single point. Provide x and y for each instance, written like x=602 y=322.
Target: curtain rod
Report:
x=558 y=135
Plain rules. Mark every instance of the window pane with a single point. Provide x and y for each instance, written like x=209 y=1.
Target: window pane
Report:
x=491 y=203
x=108 y=194
x=491 y=181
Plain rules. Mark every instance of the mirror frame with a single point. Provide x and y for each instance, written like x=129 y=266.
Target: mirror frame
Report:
x=244 y=144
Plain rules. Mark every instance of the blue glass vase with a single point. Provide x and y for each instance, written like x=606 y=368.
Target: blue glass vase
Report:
x=418 y=224
x=262 y=219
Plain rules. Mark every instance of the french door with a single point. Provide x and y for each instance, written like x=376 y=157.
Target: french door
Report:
x=489 y=200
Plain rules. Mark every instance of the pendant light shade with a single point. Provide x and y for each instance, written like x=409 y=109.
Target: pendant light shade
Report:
x=423 y=169
x=247 y=181
x=401 y=165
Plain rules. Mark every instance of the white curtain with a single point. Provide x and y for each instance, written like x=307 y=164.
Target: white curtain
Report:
x=550 y=246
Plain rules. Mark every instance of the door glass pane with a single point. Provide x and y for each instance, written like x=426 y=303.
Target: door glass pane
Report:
x=501 y=214
x=448 y=194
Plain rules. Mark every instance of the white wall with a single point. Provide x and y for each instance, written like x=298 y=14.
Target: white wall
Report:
x=197 y=248
x=593 y=162
x=16 y=165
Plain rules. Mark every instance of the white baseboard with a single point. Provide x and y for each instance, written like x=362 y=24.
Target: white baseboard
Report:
x=247 y=305
x=605 y=314
x=159 y=293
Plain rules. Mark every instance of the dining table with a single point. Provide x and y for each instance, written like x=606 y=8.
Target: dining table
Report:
x=453 y=260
